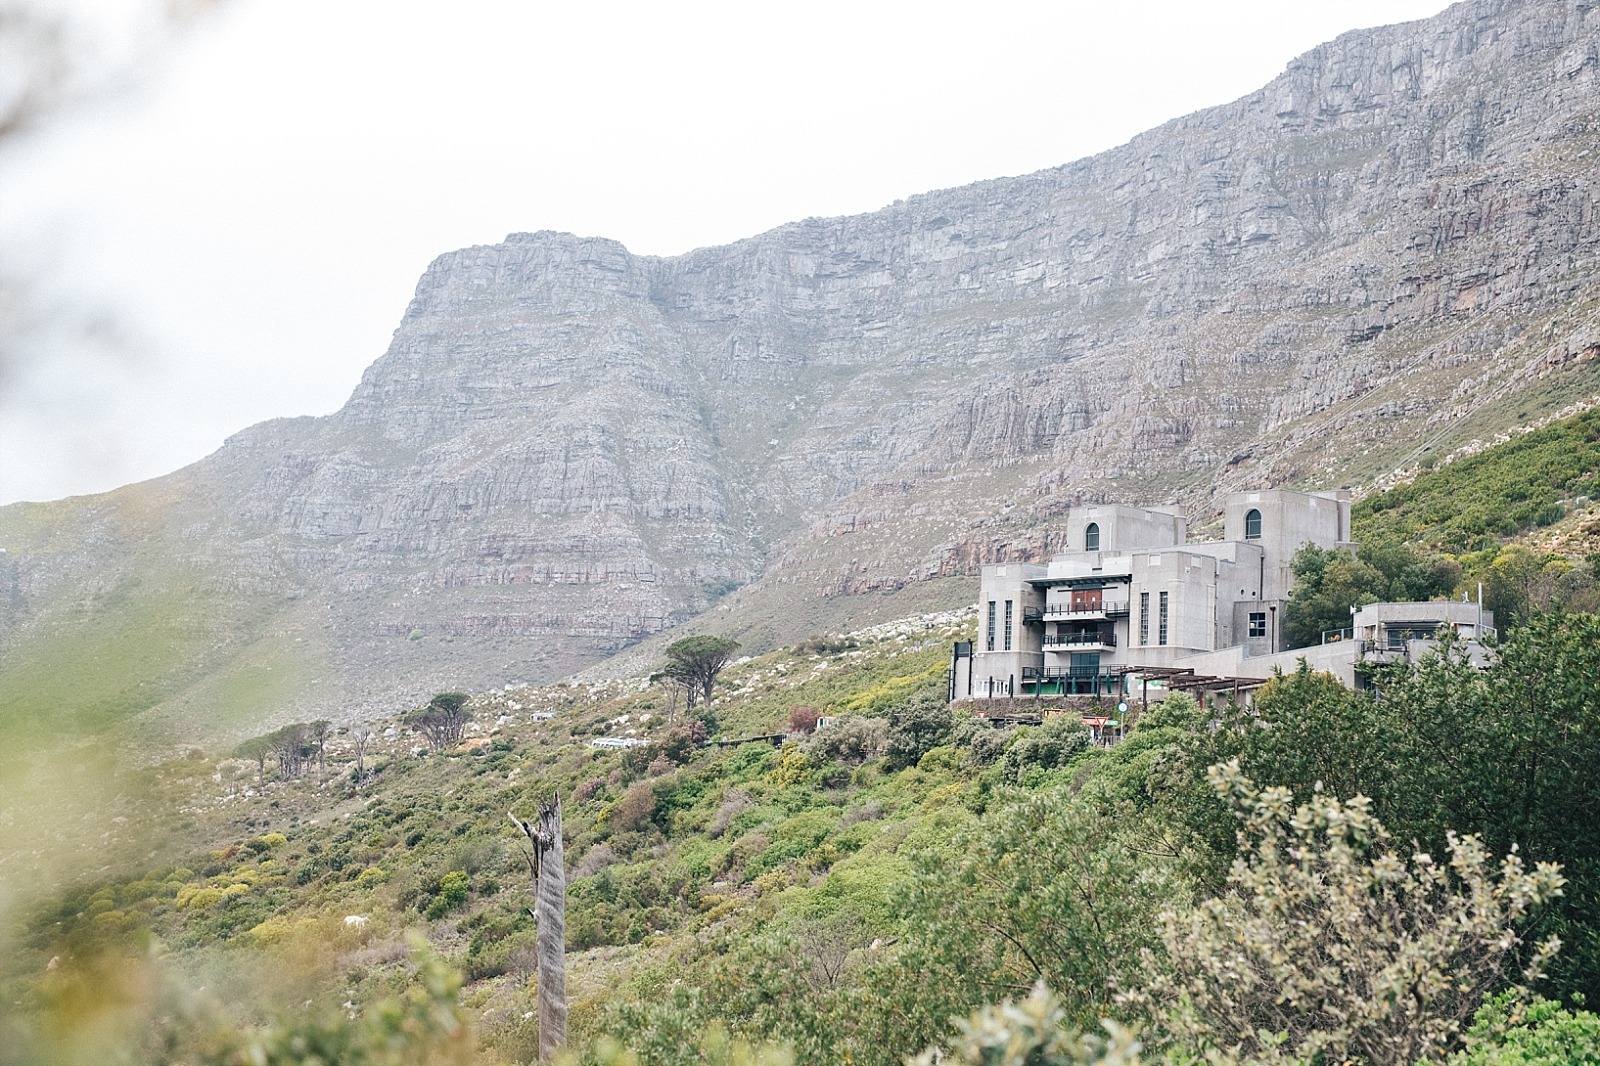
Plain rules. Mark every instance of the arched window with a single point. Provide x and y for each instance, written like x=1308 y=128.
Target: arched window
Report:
x=1091 y=537
x=1252 y=524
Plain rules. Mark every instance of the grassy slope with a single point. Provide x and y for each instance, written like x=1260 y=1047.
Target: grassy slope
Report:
x=647 y=886
x=1532 y=480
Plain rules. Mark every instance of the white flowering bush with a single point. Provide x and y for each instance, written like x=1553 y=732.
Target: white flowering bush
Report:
x=1329 y=946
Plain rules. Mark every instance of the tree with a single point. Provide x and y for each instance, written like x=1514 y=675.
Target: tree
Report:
x=317 y=733
x=256 y=749
x=677 y=679
x=1508 y=753
x=1505 y=751
x=695 y=662
x=1038 y=891
x=916 y=727
x=547 y=865
x=361 y=735
x=1330 y=581
x=1330 y=947
x=443 y=720
x=288 y=744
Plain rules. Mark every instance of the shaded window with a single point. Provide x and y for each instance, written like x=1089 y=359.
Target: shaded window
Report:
x=1091 y=537
x=1144 y=618
x=1252 y=524
x=988 y=645
x=1161 y=635
x=1258 y=623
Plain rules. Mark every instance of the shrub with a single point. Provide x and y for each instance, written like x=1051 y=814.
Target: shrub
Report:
x=1329 y=947
x=852 y=741
x=1048 y=746
x=1178 y=710
x=452 y=894
x=916 y=727
x=734 y=801
x=635 y=809
x=984 y=743
x=803 y=719
x=794 y=768
x=1031 y=1032
x=1508 y=1032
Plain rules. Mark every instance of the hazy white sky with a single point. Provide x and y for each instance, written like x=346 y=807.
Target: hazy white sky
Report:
x=234 y=236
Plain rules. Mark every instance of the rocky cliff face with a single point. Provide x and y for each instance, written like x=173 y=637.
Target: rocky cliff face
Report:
x=1393 y=246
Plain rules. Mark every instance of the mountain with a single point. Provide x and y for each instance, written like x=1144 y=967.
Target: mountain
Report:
x=1386 y=253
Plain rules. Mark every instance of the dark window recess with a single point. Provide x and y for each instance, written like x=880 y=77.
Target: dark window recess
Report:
x=989 y=643
x=1252 y=524
x=1091 y=537
x=1258 y=623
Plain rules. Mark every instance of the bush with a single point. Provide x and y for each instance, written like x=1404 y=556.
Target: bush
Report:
x=1178 y=710
x=1048 y=746
x=916 y=727
x=452 y=894
x=1031 y=1032
x=803 y=719
x=1508 y=1032
x=635 y=809
x=852 y=741
x=984 y=743
x=1329 y=947
x=734 y=801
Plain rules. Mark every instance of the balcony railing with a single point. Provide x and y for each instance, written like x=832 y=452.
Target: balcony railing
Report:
x=1056 y=673
x=1082 y=640
x=1062 y=612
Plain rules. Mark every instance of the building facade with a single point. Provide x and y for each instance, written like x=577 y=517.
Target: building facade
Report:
x=1134 y=591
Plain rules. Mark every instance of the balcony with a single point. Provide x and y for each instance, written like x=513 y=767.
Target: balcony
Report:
x=1081 y=642
x=1051 y=673
x=1066 y=613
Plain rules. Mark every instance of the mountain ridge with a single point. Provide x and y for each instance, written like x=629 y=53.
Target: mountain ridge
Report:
x=567 y=448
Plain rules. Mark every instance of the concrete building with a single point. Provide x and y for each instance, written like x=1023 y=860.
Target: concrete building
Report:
x=1134 y=599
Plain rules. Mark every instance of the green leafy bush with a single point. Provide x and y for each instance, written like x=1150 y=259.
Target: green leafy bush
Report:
x=1508 y=1032
x=1048 y=746
x=916 y=727
x=451 y=894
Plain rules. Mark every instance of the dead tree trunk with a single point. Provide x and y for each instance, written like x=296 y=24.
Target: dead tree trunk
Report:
x=550 y=912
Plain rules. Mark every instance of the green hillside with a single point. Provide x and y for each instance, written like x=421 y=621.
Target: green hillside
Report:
x=1532 y=480
x=844 y=894
x=842 y=897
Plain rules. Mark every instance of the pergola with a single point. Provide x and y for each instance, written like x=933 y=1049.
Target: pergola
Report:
x=1184 y=679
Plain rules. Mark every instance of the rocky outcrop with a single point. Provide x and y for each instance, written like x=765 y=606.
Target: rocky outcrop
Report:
x=567 y=447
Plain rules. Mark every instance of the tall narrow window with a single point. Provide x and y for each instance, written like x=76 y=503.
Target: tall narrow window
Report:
x=1008 y=625
x=1091 y=537
x=1252 y=524
x=1144 y=618
x=1161 y=633
x=989 y=644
